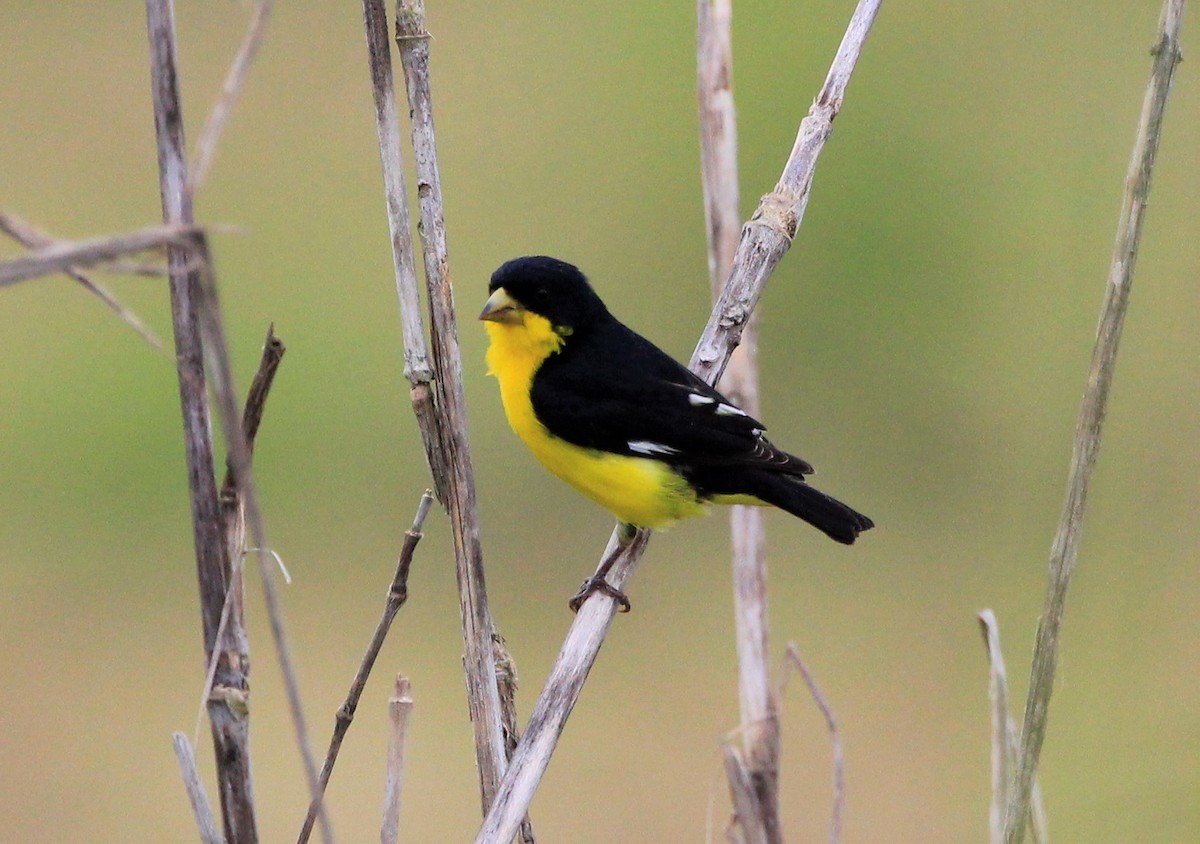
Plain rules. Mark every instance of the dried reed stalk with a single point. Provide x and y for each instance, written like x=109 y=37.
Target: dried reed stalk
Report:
x=1065 y=550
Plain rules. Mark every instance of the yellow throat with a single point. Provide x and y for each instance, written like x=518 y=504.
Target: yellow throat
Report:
x=637 y=490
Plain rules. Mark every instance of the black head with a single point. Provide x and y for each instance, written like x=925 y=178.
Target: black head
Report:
x=551 y=288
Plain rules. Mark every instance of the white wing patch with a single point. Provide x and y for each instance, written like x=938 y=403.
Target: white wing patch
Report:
x=729 y=410
x=697 y=400
x=648 y=447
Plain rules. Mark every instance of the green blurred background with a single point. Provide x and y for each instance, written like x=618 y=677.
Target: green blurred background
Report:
x=924 y=344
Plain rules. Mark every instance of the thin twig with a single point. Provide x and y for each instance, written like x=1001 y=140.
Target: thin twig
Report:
x=998 y=694
x=1004 y=740
x=764 y=241
x=31 y=237
x=209 y=834
x=719 y=175
x=234 y=643
x=235 y=80
x=399 y=710
x=479 y=635
x=64 y=254
x=396 y=596
x=1064 y=552
x=835 y=739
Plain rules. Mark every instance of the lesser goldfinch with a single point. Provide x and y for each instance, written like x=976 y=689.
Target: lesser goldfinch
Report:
x=621 y=421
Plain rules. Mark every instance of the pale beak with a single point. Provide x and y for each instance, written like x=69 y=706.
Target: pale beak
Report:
x=501 y=307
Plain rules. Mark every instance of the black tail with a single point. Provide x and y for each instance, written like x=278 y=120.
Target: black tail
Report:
x=836 y=520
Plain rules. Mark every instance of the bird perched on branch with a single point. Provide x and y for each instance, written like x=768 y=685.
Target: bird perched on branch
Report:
x=621 y=421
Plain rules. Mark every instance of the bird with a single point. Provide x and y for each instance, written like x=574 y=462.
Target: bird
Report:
x=623 y=422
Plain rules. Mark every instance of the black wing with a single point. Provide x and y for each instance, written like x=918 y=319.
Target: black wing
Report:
x=615 y=391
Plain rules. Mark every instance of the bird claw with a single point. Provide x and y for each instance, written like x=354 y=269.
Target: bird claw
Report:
x=598 y=584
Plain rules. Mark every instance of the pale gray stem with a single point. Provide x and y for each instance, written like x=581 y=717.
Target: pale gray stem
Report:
x=1065 y=549
x=483 y=696
x=759 y=755
x=417 y=368
x=235 y=80
x=761 y=248
x=199 y=335
x=201 y=808
x=399 y=710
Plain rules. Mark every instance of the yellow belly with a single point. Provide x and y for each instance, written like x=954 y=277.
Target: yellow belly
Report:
x=636 y=490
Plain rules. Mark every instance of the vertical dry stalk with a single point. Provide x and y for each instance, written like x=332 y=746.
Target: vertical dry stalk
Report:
x=212 y=563
x=399 y=709
x=1091 y=414
x=199 y=334
x=479 y=637
x=764 y=241
x=718 y=167
x=387 y=127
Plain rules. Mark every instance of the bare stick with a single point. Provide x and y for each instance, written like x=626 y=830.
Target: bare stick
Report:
x=397 y=595
x=835 y=738
x=63 y=255
x=196 y=320
x=399 y=709
x=998 y=693
x=233 y=649
x=417 y=368
x=237 y=807
x=764 y=241
x=32 y=237
x=235 y=80
x=1004 y=740
x=718 y=159
x=478 y=630
x=1091 y=414
x=209 y=833
x=748 y=825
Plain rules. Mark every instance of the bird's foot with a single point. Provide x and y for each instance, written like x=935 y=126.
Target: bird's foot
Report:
x=626 y=534
x=597 y=583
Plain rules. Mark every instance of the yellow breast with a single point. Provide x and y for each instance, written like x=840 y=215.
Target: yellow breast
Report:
x=636 y=490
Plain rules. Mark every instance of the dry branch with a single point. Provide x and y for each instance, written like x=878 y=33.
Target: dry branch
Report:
x=201 y=809
x=764 y=241
x=64 y=255
x=396 y=597
x=200 y=335
x=759 y=755
x=235 y=80
x=417 y=368
x=399 y=709
x=1065 y=550
x=835 y=739
x=479 y=636
x=32 y=237
x=1004 y=741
